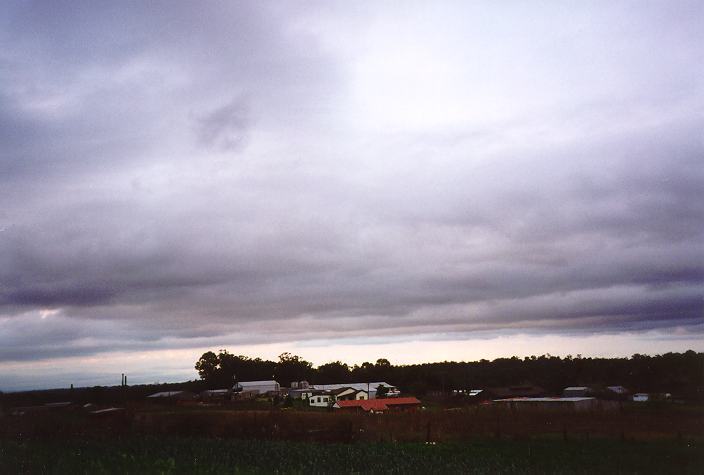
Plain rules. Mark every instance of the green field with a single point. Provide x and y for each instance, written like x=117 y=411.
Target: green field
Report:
x=207 y=455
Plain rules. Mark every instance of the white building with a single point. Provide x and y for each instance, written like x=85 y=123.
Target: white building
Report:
x=321 y=400
x=620 y=390
x=392 y=390
x=350 y=394
x=257 y=387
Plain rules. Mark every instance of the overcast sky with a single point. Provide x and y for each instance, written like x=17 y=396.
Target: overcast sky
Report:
x=346 y=180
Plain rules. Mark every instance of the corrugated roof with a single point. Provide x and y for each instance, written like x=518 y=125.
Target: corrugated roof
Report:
x=166 y=394
x=244 y=384
x=357 y=386
x=617 y=389
x=108 y=410
x=378 y=404
x=545 y=399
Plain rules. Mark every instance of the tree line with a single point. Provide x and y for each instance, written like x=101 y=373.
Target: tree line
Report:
x=681 y=374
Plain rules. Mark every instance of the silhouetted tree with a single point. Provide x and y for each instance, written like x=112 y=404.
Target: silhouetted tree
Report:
x=292 y=368
x=335 y=372
x=381 y=391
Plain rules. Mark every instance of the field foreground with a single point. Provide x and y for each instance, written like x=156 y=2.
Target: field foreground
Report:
x=166 y=455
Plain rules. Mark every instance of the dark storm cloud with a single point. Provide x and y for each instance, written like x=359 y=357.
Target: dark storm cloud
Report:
x=172 y=176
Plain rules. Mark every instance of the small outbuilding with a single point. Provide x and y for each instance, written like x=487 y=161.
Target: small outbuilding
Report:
x=321 y=399
x=576 y=391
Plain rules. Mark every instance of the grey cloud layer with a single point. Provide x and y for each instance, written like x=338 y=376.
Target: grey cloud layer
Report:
x=170 y=176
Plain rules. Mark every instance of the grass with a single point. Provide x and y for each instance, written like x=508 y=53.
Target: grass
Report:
x=171 y=455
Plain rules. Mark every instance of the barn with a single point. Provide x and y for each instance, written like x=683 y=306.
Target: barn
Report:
x=257 y=387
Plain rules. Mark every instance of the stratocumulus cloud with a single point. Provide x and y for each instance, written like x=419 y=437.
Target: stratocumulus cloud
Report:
x=173 y=175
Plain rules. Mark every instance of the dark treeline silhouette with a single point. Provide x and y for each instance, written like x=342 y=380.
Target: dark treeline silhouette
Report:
x=681 y=374
x=99 y=395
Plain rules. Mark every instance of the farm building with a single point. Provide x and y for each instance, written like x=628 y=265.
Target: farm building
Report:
x=216 y=395
x=616 y=392
x=258 y=387
x=473 y=395
x=576 y=391
x=321 y=399
x=300 y=393
x=350 y=394
x=645 y=397
x=379 y=405
x=550 y=403
x=617 y=389
x=526 y=390
x=172 y=396
x=372 y=387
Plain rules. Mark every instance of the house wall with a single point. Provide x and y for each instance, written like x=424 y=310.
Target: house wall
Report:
x=321 y=400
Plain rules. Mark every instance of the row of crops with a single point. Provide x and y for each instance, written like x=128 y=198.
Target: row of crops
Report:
x=171 y=455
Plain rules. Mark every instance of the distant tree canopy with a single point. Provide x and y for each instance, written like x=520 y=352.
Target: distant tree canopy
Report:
x=381 y=391
x=292 y=368
x=335 y=372
x=681 y=374
x=223 y=369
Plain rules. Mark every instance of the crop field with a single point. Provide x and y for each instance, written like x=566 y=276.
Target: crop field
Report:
x=193 y=439
x=669 y=423
x=171 y=455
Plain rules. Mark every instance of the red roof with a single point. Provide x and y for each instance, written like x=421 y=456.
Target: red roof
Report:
x=379 y=404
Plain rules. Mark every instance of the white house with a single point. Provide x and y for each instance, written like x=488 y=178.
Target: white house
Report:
x=350 y=394
x=641 y=397
x=257 y=387
x=321 y=400
x=392 y=390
